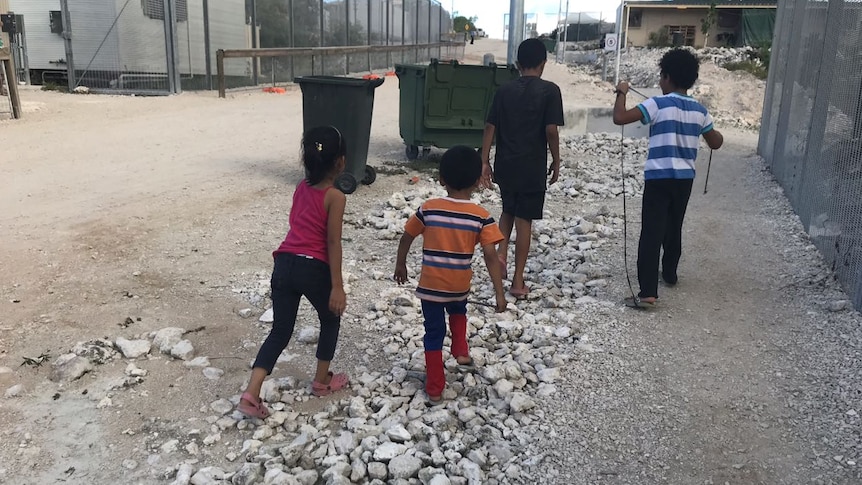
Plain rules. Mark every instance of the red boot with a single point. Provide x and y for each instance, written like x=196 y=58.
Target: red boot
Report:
x=458 y=328
x=435 y=376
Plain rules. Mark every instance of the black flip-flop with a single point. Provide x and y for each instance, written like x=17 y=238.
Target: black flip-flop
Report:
x=639 y=304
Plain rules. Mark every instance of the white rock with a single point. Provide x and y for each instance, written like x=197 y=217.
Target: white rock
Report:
x=14 y=391
x=132 y=349
x=307 y=477
x=377 y=471
x=213 y=373
x=388 y=451
x=69 y=367
x=5 y=370
x=472 y=472
x=249 y=474
x=504 y=388
x=549 y=375
x=246 y=312
x=309 y=335
x=358 y=409
x=222 y=406
x=169 y=446
x=520 y=402
x=404 y=467
x=839 y=305
x=184 y=474
x=183 y=350
x=398 y=434
x=440 y=480
x=166 y=338
x=198 y=362
x=345 y=443
x=130 y=464
x=207 y=476
x=274 y=476
x=267 y=316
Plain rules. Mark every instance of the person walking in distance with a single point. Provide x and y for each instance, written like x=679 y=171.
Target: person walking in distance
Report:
x=676 y=121
x=524 y=121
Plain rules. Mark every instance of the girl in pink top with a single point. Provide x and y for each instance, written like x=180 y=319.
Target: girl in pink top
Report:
x=308 y=263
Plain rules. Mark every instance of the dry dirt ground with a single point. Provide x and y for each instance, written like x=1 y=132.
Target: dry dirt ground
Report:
x=155 y=208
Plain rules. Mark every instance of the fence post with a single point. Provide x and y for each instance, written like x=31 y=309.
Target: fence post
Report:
x=207 y=47
x=255 y=67
x=220 y=73
x=67 y=41
x=172 y=47
x=12 y=81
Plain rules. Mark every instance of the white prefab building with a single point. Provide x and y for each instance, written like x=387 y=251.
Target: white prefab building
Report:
x=128 y=36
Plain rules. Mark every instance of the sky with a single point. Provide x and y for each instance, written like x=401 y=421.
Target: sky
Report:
x=490 y=12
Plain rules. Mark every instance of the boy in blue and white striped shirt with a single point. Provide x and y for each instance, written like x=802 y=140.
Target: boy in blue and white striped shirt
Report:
x=676 y=123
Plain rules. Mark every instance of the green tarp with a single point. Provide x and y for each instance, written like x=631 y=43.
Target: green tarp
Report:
x=757 y=26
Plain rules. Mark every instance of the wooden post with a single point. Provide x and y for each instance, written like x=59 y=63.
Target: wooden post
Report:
x=12 y=80
x=220 y=73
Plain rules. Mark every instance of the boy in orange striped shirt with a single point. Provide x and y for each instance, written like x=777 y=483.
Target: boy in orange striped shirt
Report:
x=451 y=228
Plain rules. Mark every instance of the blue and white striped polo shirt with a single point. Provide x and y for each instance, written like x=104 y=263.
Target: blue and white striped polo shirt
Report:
x=676 y=124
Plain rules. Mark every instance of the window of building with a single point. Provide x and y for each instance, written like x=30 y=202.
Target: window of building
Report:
x=681 y=34
x=636 y=18
x=155 y=9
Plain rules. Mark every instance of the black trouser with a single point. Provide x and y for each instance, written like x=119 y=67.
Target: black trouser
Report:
x=292 y=278
x=664 y=204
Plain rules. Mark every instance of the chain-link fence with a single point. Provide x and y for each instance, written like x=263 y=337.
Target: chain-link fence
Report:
x=811 y=133
x=335 y=23
x=165 y=46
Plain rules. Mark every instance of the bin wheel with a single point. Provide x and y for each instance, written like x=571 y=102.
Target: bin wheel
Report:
x=346 y=183
x=412 y=152
x=370 y=175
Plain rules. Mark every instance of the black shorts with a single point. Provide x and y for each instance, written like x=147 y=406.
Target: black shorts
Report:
x=523 y=205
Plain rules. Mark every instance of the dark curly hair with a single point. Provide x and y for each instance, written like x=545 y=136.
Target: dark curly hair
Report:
x=321 y=148
x=681 y=66
x=461 y=167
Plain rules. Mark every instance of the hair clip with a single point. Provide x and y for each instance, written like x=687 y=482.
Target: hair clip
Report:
x=319 y=147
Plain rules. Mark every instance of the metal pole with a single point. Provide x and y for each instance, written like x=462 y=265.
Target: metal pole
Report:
x=619 y=41
x=292 y=39
x=516 y=29
x=67 y=40
x=207 y=47
x=255 y=68
x=565 y=33
x=559 y=32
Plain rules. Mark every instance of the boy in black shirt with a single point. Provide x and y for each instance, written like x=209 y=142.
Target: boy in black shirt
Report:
x=525 y=118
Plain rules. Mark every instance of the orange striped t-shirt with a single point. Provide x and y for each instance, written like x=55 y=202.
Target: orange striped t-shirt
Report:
x=450 y=229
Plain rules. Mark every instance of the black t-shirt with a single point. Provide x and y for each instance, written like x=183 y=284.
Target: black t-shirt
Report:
x=521 y=111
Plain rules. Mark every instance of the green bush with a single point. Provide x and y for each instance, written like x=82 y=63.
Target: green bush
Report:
x=659 y=38
x=751 y=67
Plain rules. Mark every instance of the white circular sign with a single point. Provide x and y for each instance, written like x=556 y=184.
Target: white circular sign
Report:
x=610 y=42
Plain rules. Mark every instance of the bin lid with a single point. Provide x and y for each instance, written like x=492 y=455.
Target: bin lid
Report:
x=340 y=81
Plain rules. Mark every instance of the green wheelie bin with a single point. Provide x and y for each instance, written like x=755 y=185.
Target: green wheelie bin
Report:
x=346 y=103
x=446 y=104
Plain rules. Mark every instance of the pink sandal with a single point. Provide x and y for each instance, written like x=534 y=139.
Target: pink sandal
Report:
x=252 y=407
x=337 y=382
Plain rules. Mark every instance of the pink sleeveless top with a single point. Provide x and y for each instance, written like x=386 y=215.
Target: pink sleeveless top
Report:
x=308 y=218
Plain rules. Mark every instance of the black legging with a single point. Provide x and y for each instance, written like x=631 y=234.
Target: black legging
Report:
x=292 y=278
x=664 y=205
